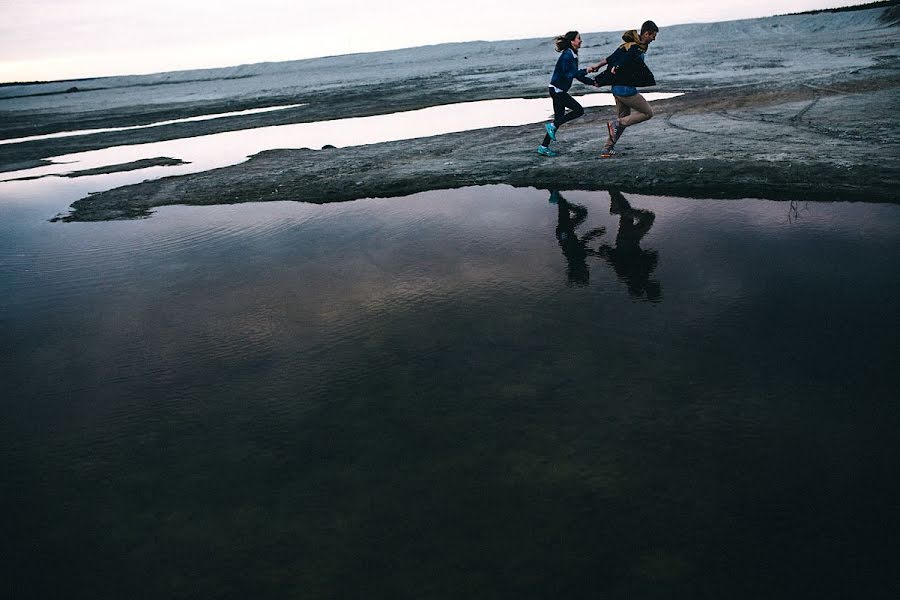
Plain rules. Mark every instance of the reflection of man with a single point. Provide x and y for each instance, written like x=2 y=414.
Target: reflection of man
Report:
x=574 y=248
x=631 y=263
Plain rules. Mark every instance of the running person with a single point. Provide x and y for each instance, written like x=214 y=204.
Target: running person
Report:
x=629 y=72
x=566 y=70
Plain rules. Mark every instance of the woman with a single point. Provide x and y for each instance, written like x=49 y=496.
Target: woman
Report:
x=566 y=70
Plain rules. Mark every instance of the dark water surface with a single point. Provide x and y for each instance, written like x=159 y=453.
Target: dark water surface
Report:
x=459 y=394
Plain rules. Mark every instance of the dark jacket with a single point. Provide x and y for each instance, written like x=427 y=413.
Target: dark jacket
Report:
x=631 y=69
x=567 y=69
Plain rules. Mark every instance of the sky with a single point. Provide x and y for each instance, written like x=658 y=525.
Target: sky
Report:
x=44 y=40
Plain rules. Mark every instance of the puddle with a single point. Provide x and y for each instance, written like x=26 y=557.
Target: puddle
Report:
x=258 y=384
x=223 y=149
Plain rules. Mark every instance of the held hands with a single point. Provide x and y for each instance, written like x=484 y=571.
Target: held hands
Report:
x=597 y=67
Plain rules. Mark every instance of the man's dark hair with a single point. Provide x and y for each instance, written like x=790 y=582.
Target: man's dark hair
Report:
x=648 y=26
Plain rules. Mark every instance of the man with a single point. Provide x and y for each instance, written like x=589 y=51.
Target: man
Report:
x=628 y=72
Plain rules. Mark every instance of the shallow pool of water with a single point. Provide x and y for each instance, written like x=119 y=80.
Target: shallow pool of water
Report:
x=202 y=153
x=484 y=392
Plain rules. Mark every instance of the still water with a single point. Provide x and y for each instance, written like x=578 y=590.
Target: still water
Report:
x=487 y=392
x=201 y=153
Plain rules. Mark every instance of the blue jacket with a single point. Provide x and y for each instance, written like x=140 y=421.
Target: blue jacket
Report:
x=567 y=69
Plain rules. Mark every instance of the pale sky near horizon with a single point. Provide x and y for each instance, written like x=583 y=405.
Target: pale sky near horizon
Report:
x=67 y=39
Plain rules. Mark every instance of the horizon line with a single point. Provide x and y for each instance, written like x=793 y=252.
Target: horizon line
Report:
x=849 y=8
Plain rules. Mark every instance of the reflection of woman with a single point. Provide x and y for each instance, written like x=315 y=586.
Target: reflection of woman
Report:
x=575 y=249
x=632 y=264
x=566 y=70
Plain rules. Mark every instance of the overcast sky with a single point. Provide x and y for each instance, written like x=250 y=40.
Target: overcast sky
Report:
x=60 y=39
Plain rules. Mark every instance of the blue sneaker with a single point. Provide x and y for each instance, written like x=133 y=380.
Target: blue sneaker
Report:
x=545 y=151
x=551 y=130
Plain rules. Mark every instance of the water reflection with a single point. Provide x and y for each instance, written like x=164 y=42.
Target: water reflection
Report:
x=316 y=390
x=796 y=210
x=632 y=264
x=574 y=248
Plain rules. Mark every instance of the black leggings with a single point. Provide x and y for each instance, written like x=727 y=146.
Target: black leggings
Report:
x=562 y=101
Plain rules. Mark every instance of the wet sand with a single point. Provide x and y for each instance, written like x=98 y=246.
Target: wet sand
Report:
x=799 y=107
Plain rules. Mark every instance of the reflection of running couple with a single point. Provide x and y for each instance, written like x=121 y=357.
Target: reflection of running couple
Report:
x=632 y=264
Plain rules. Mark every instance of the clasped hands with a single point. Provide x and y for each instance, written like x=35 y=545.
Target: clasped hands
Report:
x=597 y=67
